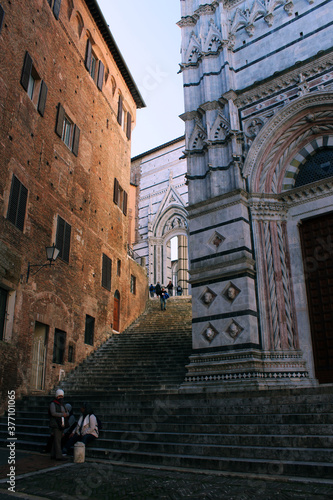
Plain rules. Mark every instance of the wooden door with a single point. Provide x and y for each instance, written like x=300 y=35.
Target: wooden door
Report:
x=116 y=311
x=317 y=247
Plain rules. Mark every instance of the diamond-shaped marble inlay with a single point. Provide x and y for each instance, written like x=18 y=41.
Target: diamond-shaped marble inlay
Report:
x=216 y=240
x=208 y=297
x=210 y=333
x=231 y=292
x=234 y=329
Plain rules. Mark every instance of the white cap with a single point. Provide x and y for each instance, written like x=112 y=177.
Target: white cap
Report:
x=59 y=392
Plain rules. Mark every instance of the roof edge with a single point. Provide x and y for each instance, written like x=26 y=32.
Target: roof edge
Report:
x=104 y=29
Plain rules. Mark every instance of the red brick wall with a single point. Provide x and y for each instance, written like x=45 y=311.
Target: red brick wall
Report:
x=79 y=189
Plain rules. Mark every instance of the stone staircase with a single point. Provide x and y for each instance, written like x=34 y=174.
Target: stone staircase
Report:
x=133 y=383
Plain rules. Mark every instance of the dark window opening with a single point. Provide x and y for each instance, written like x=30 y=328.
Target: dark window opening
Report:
x=59 y=347
x=106 y=272
x=89 y=330
x=63 y=238
x=17 y=203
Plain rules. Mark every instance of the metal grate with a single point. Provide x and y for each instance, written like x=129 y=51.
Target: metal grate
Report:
x=317 y=167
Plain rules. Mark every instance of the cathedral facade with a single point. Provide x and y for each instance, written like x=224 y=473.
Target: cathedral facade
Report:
x=258 y=90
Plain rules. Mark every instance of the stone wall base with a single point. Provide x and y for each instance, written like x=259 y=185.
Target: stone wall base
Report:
x=246 y=370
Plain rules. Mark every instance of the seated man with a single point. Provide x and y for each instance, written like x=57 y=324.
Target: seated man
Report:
x=85 y=431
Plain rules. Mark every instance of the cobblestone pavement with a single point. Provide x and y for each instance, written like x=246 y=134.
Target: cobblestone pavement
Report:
x=101 y=481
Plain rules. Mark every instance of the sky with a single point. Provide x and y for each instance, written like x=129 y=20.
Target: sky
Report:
x=149 y=41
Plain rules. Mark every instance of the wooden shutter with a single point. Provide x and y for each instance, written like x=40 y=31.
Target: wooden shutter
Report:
x=56 y=8
x=17 y=203
x=42 y=98
x=120 y=109
x=100 y=77
x=89 y=330
x=76 y=140
x=88 y=55
x=125 y=203
x=2 y=15
x=63 y=238
x=106 y=272
x=116 y=191
x=129 y=125
x=26 y=71
x=60 y=120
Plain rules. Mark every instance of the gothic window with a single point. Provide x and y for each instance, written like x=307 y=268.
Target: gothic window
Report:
x=316 y=167
x=67 y=130
x=17 y=203
x=63 y=238
x=32 y=83
x=106 y=272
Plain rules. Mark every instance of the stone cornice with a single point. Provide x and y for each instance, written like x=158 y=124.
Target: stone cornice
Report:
x=303 y=194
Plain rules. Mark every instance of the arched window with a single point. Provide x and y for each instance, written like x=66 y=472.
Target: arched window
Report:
x=316 y=167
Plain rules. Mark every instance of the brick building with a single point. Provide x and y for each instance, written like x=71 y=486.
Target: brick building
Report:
x=68 y=104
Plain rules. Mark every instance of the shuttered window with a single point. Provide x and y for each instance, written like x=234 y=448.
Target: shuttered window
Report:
x=2 y=15
x=63 y=238
x=100 y=77
x=120 y=110
x=56 y=8
x=17 y=203
x=120 y=196
x=33 y=85
x=89 y=330
x=59 y=347
x=106 y=272
x=129 y=126
x=124 y=207
x=67 y=130
x=94 y=66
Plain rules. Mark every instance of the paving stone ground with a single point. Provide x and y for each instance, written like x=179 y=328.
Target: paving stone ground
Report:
x=44 y=478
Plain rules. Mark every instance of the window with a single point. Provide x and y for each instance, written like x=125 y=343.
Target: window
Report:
x=59 y=347
x=55 y=6
x=124 y=118
x=71 y=353
x=2 y=15
x=92 y=63
x=67 y=130
x=106 y=272
x=89 y=330
x=17 y=203
x=133 y=284
x=120 y=196
x=118 y=267
x=63 y=238
x=33 y=85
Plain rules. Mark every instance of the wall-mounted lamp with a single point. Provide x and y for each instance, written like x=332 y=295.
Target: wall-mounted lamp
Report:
x=51 y=255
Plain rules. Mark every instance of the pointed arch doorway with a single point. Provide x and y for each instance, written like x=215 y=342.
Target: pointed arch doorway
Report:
x=116 y=311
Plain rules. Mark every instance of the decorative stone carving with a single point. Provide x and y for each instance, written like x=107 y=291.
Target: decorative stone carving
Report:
x=234 y=330
x=210 y=333
x=231 y=292
x=208 y=297
x=216 y=240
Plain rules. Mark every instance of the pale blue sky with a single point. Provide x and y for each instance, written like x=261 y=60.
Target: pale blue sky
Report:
x=149 y=41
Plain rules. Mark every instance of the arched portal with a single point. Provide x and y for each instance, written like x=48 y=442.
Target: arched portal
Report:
x=289 y=170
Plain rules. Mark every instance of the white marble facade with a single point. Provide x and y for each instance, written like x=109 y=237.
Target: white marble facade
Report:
x=258 y=87
x=162 y=213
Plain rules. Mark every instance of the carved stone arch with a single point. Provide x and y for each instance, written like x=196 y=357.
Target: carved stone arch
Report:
x=198 y=137
x=258 y=10
x=213 y=40
x=294 y=126
x=240 y=21
x=220 y=130
x=166 y=223
x=193 y=53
